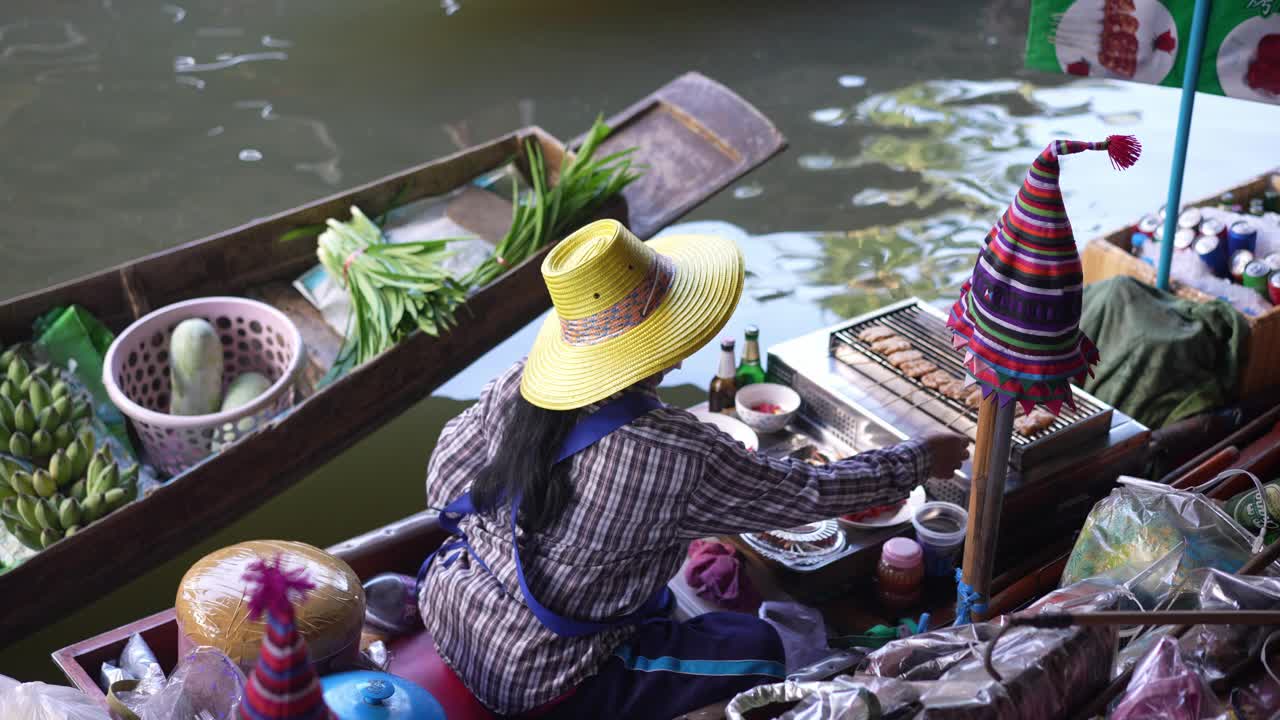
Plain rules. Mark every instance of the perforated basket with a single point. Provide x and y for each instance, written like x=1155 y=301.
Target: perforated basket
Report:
x=255 y=337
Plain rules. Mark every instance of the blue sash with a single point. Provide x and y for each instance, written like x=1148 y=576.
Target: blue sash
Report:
x=586 y=433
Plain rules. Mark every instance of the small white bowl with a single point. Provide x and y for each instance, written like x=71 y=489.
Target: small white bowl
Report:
x=781 y=395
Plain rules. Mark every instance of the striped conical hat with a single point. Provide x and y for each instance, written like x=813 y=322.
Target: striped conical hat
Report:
x=283 y=684
x=1018 y=316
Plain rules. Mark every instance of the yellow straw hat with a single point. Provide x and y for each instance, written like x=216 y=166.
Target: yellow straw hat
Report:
x=626 y=309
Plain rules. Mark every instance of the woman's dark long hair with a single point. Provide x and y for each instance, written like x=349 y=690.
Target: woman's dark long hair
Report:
x=523 y=466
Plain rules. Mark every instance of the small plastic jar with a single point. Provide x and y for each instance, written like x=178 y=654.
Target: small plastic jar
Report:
x=901 y=573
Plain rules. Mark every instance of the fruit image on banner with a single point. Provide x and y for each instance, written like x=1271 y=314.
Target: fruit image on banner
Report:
x=1144 y=41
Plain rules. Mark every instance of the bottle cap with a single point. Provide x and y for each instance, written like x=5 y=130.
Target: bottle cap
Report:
x=726 y=344
x=902 y=552
x=752 y=331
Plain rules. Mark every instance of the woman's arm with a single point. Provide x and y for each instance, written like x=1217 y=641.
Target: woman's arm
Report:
x=743 y=491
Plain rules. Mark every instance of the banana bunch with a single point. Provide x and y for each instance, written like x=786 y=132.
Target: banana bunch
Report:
x=55 y=479
x=38 y=411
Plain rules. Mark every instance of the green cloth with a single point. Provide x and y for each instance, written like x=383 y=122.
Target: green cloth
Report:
x=76 y=340
x=1163 y=358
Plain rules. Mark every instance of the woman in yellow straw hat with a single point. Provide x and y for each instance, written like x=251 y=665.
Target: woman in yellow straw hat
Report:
x=573 y=493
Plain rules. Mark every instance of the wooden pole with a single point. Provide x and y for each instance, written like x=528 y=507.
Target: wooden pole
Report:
x=986 y=493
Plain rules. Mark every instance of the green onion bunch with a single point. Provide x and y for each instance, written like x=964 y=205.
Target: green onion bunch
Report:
x=394 y=288
x=585 y=185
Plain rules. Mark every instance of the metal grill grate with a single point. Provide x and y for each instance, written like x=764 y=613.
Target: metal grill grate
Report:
x=929 y=334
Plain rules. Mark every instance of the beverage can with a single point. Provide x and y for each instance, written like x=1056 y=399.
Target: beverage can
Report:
x=1252 y=512
x=1183 y=239
x=1273 y=261
x=1149 y=226
x=1239 y=261
x=1214 y=254
x=1190 y=218
x=1242 y=235
x=1273 y=288
x=1214 y=227
x=1256 y=207
x=1255 y=277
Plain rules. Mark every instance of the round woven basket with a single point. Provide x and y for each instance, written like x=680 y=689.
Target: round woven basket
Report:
x=255 y=337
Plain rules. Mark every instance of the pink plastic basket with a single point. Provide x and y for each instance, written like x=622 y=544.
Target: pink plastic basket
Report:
x=255 y=337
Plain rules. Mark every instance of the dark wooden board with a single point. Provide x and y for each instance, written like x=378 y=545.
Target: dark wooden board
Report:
x=253 y=259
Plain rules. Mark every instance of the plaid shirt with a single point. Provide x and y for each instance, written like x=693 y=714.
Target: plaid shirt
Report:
x=641 y=494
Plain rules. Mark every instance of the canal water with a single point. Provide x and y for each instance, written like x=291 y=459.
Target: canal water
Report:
x=129 y=126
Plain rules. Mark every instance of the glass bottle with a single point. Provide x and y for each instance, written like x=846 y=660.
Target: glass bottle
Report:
x=750 y=370
x=723 y=387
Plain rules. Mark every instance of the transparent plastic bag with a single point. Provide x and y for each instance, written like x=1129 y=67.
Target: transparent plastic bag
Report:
x=1151 y=539
x=206 y=685
x=1214 y=651
x=1045 y=672
x=38 y=701
x=848 y=697
x=1165 y=687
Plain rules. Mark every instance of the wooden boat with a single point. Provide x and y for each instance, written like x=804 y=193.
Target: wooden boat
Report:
x=695 y=137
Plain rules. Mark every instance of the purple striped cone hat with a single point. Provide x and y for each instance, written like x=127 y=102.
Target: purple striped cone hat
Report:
x=1018 y=316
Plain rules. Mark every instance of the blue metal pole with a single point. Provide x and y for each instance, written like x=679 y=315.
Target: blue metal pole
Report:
x=1190 y=79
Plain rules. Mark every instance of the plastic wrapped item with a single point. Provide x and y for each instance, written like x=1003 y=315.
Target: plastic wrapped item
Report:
x=206 y=685
x=138 y=661
x=376 y=656
x=1163 y=687
x=212 y=606
x=391 y=604
x=1151 y=539
x=110 y=673
x=38 y=701
x=848 y=697
x=1046 y=673
x=1214 y=651
x=1256 y=697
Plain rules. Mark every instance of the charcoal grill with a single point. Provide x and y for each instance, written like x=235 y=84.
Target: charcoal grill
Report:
x=926 y=330
x=846 y=388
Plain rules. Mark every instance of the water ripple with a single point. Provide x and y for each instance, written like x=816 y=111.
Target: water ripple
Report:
x=187 y=64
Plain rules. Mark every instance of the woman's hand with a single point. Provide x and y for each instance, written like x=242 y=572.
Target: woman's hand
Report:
x=948 y=452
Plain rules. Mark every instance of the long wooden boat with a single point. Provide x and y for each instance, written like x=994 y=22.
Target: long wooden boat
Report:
x=695 y=137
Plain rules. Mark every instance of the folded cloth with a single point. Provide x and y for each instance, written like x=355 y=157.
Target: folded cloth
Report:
x=1185 y=359
x=715 y=573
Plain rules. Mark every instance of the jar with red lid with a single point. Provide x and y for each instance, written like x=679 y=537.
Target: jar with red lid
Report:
x=901 y=573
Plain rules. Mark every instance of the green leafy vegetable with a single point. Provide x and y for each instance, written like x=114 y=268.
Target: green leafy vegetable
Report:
x=398 y=288
x=586 y=183
x=394 y=288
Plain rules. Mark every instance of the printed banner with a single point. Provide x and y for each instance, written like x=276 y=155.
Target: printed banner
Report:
x=1145 y=41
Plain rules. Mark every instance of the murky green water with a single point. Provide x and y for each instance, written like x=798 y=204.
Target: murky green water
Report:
x=127 y=126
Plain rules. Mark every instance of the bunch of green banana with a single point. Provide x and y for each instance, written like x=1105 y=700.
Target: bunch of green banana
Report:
x=38 y=411
x=41 y=505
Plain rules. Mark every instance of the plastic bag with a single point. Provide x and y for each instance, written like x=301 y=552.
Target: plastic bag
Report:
x=138 y=661
x=1214 y=651
x=206 y=685
x=1165 y=687
x=38 y=701
x=1152 y=539
x=1045 y=672
x=391 y=604
x=856 y=697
